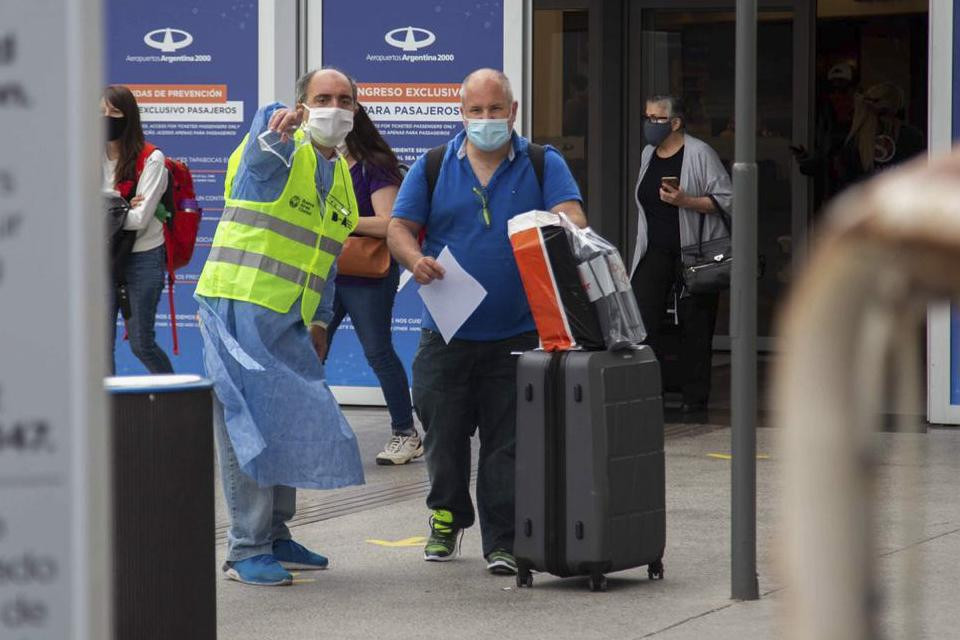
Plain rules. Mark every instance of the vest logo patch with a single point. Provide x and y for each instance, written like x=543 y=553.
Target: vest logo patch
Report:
x=299 y=204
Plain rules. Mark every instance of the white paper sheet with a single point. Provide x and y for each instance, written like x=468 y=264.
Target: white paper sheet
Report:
x=452 y=300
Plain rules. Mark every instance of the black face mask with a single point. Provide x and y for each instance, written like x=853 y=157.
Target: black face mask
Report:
x=656 y=132
x=114 y=127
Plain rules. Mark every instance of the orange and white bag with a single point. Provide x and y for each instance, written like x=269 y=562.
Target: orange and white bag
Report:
x=562 y=311
x=576 y=284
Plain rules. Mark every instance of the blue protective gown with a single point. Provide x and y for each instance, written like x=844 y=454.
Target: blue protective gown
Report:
x=284 y=423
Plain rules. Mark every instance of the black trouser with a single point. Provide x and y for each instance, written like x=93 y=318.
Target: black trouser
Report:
x=459 y=388
x=652 y=283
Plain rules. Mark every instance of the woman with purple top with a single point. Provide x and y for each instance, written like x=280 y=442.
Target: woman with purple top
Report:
x=369 y=301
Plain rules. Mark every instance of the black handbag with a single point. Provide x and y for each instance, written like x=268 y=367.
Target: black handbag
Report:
x=706 y=266
x=120 y=245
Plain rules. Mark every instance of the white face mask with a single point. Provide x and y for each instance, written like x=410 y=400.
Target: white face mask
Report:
x=329 y=126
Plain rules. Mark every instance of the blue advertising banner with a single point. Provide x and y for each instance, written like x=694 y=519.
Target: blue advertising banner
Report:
x=409 y=59
x=193 y=67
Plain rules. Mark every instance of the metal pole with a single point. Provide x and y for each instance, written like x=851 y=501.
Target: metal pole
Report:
x=743 y=311
x=303 y=36
x=527 y=104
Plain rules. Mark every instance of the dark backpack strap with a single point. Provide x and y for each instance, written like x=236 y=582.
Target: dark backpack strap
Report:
x=434 y=162
x=537 y=154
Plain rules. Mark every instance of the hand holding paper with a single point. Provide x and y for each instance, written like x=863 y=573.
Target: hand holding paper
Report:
x=452 y=300
x=426 y=270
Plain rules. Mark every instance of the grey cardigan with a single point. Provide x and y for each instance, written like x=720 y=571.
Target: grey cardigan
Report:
x=702 y=174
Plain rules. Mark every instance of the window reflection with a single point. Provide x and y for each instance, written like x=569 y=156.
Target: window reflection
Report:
x=560 y=86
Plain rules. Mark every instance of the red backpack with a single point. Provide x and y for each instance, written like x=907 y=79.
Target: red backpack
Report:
x=180 y=229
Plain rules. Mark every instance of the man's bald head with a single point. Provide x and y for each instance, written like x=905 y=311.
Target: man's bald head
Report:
x=486 y=95
x=486 y=80
x=327 y=87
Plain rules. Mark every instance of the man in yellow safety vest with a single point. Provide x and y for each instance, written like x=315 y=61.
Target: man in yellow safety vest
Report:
x=266 y=295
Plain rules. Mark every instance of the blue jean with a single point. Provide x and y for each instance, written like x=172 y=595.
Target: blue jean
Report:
x=258 y=515
x=371 y=309
x=459 y=388
x=144 y=273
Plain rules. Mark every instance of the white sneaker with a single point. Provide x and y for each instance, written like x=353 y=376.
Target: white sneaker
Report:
x=401 y=449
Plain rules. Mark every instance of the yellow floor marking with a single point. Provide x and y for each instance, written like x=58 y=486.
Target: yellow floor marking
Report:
x=415 y=541
x=304 y=580
x=727 y=456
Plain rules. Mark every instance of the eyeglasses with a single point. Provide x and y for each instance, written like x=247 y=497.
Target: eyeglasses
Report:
x=321 y=101
x=656 y=120
x=484 y=206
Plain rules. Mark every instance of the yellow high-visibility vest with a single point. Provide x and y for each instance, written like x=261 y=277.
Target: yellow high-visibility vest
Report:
x=271 y=253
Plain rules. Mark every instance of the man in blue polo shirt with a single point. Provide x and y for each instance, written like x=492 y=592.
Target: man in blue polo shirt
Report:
x=485 y=179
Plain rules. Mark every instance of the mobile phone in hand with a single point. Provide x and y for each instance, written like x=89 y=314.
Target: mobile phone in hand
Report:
x=670 y=181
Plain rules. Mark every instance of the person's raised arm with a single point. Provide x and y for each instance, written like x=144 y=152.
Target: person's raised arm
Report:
x=277 y=118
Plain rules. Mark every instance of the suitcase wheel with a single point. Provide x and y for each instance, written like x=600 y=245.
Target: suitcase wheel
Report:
x=597 y=582
x=524 y=580
x=524 y=576
x=655 y=570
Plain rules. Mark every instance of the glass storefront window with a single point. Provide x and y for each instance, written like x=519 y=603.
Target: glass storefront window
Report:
x=691 y=54
x=560 y=86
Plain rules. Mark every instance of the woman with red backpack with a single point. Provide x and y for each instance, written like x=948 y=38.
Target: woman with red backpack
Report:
x=137 y=172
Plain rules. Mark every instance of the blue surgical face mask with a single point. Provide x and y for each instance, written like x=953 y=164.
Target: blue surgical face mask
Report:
x=488 y=135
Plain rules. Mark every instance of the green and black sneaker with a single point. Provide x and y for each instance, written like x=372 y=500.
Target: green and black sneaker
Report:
x=444 y=538
x=501 y=563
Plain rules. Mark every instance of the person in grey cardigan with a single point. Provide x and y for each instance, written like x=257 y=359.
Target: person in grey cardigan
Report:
x=681 y=182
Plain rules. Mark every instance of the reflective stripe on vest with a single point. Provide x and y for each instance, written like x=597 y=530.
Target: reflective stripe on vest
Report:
x=253 y=218
x=290 y=231
x=261 y=262
x=330 y=245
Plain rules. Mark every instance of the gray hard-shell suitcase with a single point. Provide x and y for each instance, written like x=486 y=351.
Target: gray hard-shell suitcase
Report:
x=590 y=487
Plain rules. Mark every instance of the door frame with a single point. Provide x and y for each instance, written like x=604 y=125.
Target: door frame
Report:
x=610 y=205
x=606 y=147
x=801 y=187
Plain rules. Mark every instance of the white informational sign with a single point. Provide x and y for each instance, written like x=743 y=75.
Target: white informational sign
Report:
x=54 y=453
